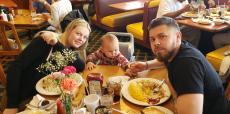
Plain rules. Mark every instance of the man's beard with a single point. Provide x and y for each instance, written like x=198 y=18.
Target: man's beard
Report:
x=164 y=58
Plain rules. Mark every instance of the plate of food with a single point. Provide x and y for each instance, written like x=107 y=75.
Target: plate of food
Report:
x=140 y=91
x=48 y=85
x=156 y=110
x=190 y=14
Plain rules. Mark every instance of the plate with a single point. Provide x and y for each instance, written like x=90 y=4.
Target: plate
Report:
x=34 y=112
x=189 y=14
x=126 y=94
x=202 y=21
x=149 y=110
x=43 y=91
x=119 y=79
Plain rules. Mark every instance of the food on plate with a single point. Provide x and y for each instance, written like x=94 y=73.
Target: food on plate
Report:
x=143 y=91
x=218 y=21
x=214 y=15
x=151 y=110
x=50 y=84
x=190 y=14
x=204 y=21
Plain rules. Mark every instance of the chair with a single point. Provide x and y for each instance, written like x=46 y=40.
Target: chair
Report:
x=140 y=29
x=9 y=47
x=215 y=57
x=126 y=46
x=2 y=76
x=112 y=19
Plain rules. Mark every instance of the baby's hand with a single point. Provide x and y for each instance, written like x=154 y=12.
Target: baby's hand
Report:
x=49 y=38
x=129 y=73
x=90 y=65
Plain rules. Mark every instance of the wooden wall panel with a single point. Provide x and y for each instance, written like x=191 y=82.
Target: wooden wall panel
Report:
x=22 y=4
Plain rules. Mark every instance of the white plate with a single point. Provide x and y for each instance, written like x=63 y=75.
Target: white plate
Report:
x=125 y=92
x=42 y=91
x=119 y=79
x=185 y=14
x=34 y=112
x=163 y=109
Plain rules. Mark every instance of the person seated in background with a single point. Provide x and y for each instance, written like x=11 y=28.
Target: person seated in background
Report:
x=41 y=6
x=58 y=10
x=197 y=87
x=221 y=39
x=107 y=54
x=22 y=74
x=173 y=9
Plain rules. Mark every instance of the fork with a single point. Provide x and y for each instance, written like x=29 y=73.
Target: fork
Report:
x=157 y=89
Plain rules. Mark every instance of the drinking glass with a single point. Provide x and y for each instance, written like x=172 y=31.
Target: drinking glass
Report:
x=116 y=87
x=33 y=13
x=107 y=97
x=92 y=101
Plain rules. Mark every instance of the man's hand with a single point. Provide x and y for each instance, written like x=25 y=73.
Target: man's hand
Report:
x=10 y=111
x=90 y=66
x=135 y=67
x=186 y=8
x=49 y=38
x=46 y=16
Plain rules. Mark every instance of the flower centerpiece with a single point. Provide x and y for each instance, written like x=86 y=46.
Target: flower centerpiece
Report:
x=61 y=77
x=69 y=88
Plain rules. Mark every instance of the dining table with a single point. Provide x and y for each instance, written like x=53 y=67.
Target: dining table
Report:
x=124 y=105
x=24 y=20
x=8 y=3
x=130 y=5
x=208 y=27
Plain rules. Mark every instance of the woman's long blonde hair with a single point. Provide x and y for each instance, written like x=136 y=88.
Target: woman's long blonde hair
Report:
x=73 y=25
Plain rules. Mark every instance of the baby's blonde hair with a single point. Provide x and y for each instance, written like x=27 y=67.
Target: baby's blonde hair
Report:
x=73 y=25
x=109 y=37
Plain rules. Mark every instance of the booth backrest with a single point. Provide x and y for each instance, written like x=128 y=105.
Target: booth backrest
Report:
x=103 y=9
x=150 y=12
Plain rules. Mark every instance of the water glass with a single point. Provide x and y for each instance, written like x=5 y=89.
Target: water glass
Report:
x=91 y=101
x=107 y=97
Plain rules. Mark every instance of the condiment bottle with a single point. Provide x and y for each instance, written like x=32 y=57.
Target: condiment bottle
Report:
x=95 y=81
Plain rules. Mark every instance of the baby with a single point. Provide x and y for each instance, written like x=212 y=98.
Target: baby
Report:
x=107 y=54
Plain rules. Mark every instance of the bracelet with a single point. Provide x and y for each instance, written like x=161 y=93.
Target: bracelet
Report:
x=146 y=65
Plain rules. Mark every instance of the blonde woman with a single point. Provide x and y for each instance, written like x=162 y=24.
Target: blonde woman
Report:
x=22 y=75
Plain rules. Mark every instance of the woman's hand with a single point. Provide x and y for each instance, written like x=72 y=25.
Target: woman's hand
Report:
x=49 y=37
x=90 y=66
x=10 y=111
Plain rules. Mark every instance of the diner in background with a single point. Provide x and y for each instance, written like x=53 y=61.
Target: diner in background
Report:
x=198 y=87
x=22 y=74
x=58 y=10
x=41 y=6
x=173 y=9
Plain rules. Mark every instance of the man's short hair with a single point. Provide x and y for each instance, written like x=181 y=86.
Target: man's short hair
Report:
x=164 y=21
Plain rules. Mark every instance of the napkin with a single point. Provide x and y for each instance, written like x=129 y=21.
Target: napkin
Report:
x=37 y=99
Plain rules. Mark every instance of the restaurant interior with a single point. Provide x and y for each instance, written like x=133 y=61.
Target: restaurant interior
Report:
x=128 y=20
